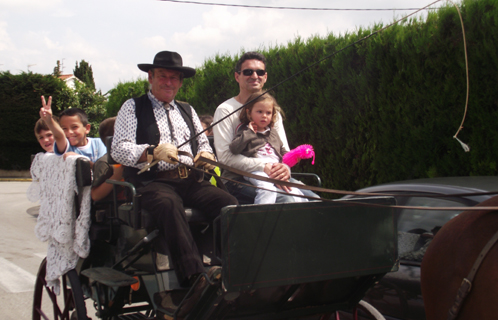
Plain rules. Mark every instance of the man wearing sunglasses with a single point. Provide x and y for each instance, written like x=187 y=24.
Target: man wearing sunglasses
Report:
x=250 y=73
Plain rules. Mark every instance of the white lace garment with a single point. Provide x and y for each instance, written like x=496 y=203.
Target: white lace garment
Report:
x=54 y=184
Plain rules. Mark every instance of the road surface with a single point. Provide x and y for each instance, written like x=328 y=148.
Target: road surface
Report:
x=20 y=252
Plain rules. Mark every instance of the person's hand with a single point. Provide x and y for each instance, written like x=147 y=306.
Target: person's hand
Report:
x=278 y=171
x=252 y=126
x=166 y=152
x=46 y=109
x=200 y=163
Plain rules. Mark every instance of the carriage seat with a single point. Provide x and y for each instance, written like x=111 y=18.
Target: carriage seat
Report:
x=139 y=219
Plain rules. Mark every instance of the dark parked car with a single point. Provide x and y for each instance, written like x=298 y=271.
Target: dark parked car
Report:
x=398 y=294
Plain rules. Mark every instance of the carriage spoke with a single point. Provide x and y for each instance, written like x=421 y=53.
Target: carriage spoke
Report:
x=68 y=303
x=53 y=298
x=41 y=313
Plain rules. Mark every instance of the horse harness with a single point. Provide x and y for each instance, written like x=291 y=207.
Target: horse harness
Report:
x=466 y=284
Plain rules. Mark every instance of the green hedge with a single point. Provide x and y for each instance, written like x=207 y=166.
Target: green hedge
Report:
x=19 y=110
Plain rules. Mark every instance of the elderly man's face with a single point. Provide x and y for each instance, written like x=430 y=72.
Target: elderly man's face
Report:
x=253 y=83
x=165 y=83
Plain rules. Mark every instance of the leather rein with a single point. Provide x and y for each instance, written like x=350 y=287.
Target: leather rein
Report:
x=334 y=191
x=466 y=284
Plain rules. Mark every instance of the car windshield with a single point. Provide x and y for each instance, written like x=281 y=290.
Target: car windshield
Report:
x=412 y=219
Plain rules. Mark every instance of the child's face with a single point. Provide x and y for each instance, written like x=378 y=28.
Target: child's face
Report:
x=74 y=130
x=46 y=140
x=209 y=132
x=261 y=114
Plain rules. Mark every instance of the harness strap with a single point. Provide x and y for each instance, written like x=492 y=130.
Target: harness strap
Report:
x=324 y=190
x=466 y=285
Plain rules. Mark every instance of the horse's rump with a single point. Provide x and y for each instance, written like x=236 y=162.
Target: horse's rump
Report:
x=450 y=258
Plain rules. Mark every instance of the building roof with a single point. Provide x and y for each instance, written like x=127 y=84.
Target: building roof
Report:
x=66 y=76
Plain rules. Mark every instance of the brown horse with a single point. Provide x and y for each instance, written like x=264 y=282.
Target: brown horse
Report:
x=450 y=258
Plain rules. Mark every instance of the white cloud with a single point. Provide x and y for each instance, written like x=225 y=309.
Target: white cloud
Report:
x=50 y=44
x=79 y=45
x=108 y=72
x=63 y=13
x=154 y=42
x=28 y=5
x=5 y=41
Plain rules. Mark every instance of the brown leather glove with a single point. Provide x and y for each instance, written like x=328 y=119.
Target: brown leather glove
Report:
x=166 y=152
x=200 y=163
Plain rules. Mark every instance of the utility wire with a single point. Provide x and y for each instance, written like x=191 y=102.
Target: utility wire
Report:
x=290 y=8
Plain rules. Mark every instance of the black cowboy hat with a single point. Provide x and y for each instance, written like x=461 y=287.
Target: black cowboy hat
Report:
x=168 y=60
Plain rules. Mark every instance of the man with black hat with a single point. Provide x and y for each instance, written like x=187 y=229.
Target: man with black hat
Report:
x=155 y=127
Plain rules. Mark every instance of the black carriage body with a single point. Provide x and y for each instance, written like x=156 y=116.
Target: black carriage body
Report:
x=301 y=259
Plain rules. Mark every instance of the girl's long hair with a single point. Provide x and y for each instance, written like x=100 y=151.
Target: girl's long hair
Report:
x=244 y=113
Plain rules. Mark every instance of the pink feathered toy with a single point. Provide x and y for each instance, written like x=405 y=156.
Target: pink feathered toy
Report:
x=304 y=151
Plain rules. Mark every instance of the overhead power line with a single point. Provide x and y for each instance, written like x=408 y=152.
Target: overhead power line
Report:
x=288 y=8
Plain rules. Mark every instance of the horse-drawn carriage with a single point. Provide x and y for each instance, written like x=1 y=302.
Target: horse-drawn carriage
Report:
x=280 y=261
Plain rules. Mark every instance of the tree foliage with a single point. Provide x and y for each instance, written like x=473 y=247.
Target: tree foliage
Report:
x=213 y=83
x=124 y=91
x=84 y=72
x=93 y=103
x=57 y=69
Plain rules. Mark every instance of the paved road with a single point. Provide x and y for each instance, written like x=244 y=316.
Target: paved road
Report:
x=20 y=251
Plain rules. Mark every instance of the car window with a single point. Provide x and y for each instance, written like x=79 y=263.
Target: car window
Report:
x=410 y=219
x=416 y=228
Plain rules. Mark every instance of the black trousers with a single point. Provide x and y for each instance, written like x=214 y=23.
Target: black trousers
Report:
x=165 y=199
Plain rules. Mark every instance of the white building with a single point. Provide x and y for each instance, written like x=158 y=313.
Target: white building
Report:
x=69 y=79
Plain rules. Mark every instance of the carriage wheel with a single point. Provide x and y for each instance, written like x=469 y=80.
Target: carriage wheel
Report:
x=369 y=309
x=69 y=305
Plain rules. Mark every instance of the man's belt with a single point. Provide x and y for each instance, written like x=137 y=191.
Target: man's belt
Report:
x=183 y=171
x=180 y=172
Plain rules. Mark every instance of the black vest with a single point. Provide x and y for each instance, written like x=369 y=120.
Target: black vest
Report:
x=148 y=133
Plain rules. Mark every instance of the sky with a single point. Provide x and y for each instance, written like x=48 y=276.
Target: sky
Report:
x=113 y=36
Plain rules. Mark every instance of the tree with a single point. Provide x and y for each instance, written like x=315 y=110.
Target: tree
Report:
x=124 y=91
x=57 y=69
x=84 y=73
x=93 y=103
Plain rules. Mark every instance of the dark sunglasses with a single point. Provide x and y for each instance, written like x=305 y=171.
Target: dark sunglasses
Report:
x=249 y=72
